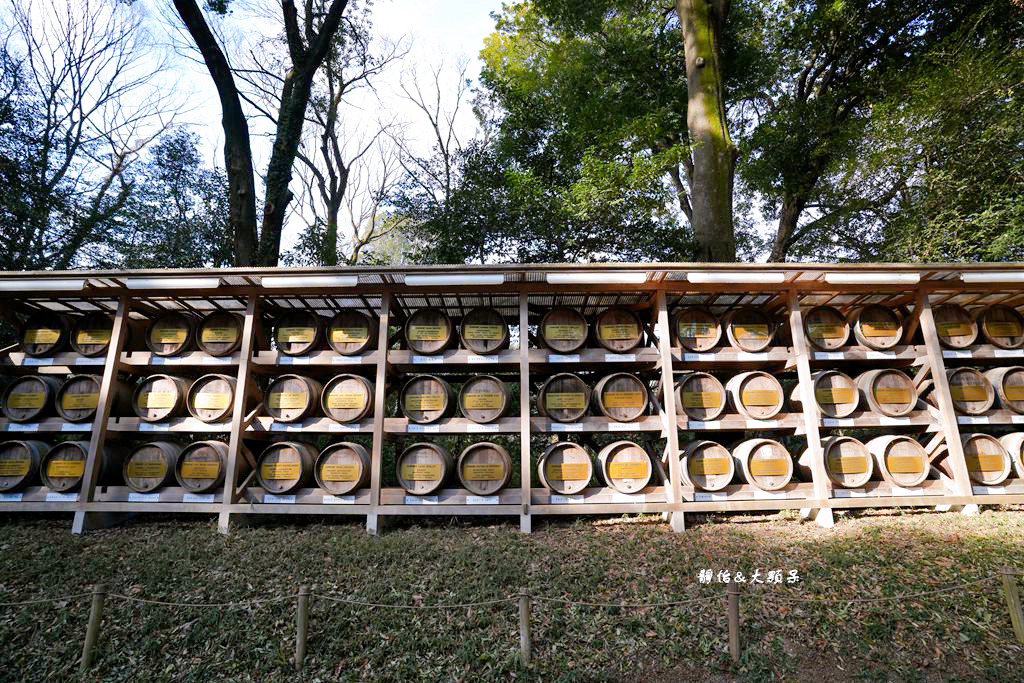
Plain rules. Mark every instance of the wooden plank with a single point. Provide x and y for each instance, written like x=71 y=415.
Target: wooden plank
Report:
x=379 y=408
x=525 y=463
x=668 y=409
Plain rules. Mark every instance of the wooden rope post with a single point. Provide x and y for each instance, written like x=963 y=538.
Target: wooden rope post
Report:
x=1013 y=603
x=524 y=626
x=301 y=626
x=732 y=593
x=92 y=631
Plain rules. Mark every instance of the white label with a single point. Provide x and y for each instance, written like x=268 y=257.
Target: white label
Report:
x=427 y=359
x=1017 y=419
x=565 y=500
x=951 y=353
x=75 y=427
x=768 y=495
x=336 y=427
x=11 y=497
x=988 y=490
x=1006 y=353
x=709 y=495
x=762 y=424
x=699 y=356
x=482 y=500
x=293 y=360
x=154 y=426
x=713 y=424
x=161 y=360
x=339 y=500
x=620 y=357
x=136 y=497
x=900 y=491
x=198 y=498
x=477 y=358
x=474 y=427
x=273 y=498
x=567 y=427
x=421 y=500
x=16 y=427
x=629 y=498
x=39 y=361
x=879 y=354
x=91 y=361
x=837 y=422
x=346 y=360
x=623 y=426
x=56 y=497
x=280 y=427
x=969 y=420
x=746 y=355
x=414 y=428
x=894 y=420
x=850 y=493
x=828 y=355
x=561 y=358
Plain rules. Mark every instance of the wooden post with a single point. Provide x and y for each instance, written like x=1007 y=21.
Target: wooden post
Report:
x=524 y=626
x=668 y=407
x=373 y=522
x=92 y=631
x=1013 y=603
x=301 y=626
x=732 y=593
x=525 y=466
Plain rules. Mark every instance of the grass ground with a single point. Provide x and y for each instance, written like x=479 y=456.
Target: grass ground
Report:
x=959 y=635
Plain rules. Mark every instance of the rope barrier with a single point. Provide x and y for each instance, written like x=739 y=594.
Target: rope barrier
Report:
x=888 y=598
x=217 y=605
x=624 y=605
x=42 y=600
x=348 y=601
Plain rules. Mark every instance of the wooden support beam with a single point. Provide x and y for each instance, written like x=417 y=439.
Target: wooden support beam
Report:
x=668 y=412
x=525 y=460
x=373 y=519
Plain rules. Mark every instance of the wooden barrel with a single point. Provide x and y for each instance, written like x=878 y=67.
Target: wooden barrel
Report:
x=699 y=396
x=19 y=463
x=90 y=334
x=848 y=464
x=1008 y=383
x=211 y=398
x=286 y=466
x=563 y=330
x=755 y=394
x=292 y=398
x=1001 y=326
x=298 y=332
x=618 y=329
x=876 y=327
x=422 y=468
x=707 y=465
x=748 y=329
x=621 y=397
x=988 y=462
x=220 y=333
x=171 y=333
x=955 y=327
x=826 y=328
x=347 y=398
x=78 y=398
x=900 y=460
x=352 y=332
x=151 y=466
x=62 y=468
x=484 y=331
x=695 y=328
x=764 y=463
x=484 y=468
x=201 y=466
x=887 y=392
x=1014 y=445
x=565 y=468
x=343 y=468
x=835 y=393
x=426 y=398
x=44 y=333
x=625 y=467
x=429 y=331
x=971 y=391
x=160 y=397
x=484 y=398
x=563 y=398
x=30 y=398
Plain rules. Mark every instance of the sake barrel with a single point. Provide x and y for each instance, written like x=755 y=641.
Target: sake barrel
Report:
x=618 y=329
x=484 y=398
x=201 y=466
x=44 y=333
x=484 y=468
x=848 y=464
x=171 y=333
x=876 y=327
x=429 y=331
x=826 y=328
x=291 y=398
x=748 y=329
x=286 y=466
x=220 y=333
x=352 y=332
x=426 y=399
x=79 y=396
x=422 y=468
x=19 y=463
x=30 y=398
x=707 y=465
x=835 y=393
x=347 y=398
x=971 y=391
x=563 y=398
x=887 y=392
x=151 y=466
x=211 y=398
x=160 y=397
x=621 y=397
x=900 y=460
x=695 y=328
x=563 y=330
x=62 y=468
x=988 y=462
x=1008 y=383
x=298 y=332
x=955 y=327
x=90 y=334
x=565 y=468
x=1001 y=326
x=699 y=396
x=1014 y=445
x=755 y=394
x=342 y=468
x=484 y=331
x=625 y=467
x=764 y=463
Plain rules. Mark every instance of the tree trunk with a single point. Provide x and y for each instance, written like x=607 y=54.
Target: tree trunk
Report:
x=714 y=155
x=792 y=207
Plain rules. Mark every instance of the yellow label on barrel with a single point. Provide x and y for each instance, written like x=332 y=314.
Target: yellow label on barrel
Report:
x=834 y=395
x=42 y=335
x=954 y=328
x=623 y=399
x=564 y=332
x=484 y=332
x=573 y=399
x=157 y=399
x=905 y=464
x=346 y=399
x=703 y=465
x=288 y=400
x=880 y=328
x=696 y=330
x=985 y=462
x=424 y=401
x=222 y=335
x=760 y=397
x=152 y=469
x=14 y=468
x=428 y=332
x=1007 y=328
x=968 y=393
x=773 y=466
x=193 y=469
x=208 y=400
x=346 y=335
x=167 y=335
x=483 y=472
x=490 y=401
x=295 y=335
x=280 y=470
x=87 y=337
x=1014 y=392
x=567 y=471
x=847 y=463
x=629 y=470
x=65 y=468
x=750 y=331
x=892 y=395
x=425 y=472
x=340 y=472
x=826 y=330
x=702 y=399
x=34 y=399
x=79 y=401
x=623 y=331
